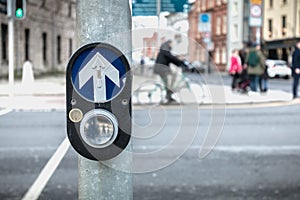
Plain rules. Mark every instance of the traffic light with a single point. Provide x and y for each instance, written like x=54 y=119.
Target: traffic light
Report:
x=98 y=101
x=19 y=9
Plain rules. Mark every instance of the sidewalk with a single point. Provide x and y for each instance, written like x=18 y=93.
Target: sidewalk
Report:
x=49 y=93
x=222 y=94
x=44 y=94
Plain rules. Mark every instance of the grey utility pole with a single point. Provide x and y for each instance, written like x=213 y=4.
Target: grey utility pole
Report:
x=110 y=22
x=10 y=46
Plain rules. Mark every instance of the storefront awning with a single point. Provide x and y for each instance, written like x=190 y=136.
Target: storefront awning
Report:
x=284 y=43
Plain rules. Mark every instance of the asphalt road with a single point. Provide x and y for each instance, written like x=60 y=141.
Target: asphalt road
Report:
x=256 y=157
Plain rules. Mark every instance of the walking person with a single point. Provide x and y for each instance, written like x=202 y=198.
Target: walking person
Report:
x=256 y=66
x=296 y=69
x=244 y=82
x=235 y=69
x=162 y=68
x=142 y=65
x=243 y=54
x=263 y=82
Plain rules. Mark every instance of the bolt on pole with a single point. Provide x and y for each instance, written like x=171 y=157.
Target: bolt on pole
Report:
x=110 y=22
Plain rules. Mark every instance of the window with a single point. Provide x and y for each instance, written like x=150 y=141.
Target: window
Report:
x=70 y=10
x=299 y=22
x=203 y=5
x=217 y=55
x=58 y=51
x=235 y=10
x=70 y=47
x=27 y=43
x=270 y=27
x=224 y=24
x=203 y=54
x=283 y=25
x=4 y=39
x=218 y=25
x=271 y=3
x=44 y=38
x=224 y=54
x=235 y=32
x=211 y=4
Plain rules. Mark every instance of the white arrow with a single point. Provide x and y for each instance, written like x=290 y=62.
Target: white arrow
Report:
x=97 y=68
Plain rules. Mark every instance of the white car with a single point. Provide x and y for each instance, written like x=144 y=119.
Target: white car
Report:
x=278 y=68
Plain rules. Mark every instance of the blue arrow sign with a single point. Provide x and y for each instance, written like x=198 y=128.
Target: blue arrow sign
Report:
x=98 y=73
x=205 y=18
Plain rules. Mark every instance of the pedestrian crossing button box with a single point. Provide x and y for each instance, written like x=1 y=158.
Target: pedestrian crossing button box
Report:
x=98 y=101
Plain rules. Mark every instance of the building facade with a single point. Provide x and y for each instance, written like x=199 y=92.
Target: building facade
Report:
x=281 y=27
x=238 y=26
x=231 y=29
x=235 y=25
x=46 y=37
x=213 y=43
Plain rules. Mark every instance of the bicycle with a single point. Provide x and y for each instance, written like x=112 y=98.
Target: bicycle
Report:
x=185 y=90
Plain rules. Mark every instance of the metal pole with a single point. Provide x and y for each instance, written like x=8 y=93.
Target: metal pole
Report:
x=295 y=18
x=10 y=48
x=207 y=60
x=257 y=35
x=105 y=21
x=158 y=10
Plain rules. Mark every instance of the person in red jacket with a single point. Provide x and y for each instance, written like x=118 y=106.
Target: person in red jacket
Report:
x=235 y=68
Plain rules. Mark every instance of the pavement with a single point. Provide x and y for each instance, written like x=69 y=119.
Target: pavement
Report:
x=49 y=93
x=216 y=92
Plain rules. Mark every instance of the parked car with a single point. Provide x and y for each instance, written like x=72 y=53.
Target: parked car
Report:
x=278 y=68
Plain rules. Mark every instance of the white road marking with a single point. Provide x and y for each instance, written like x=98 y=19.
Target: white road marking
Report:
x=258 y=149
x=27 y=149
x=5 y=111
x=232 y=149
x=37 y=187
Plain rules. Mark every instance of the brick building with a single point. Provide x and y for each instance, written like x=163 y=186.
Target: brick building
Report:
x=218 y=36
x=46 y=36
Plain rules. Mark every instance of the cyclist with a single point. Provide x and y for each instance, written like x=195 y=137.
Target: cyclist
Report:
x=162 y=68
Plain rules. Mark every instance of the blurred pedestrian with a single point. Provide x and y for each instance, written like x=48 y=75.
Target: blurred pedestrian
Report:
x=256 y=65
x=296 y=69
x=162 y=68
x=142 y=64
x=235 y=68
x=263 y=81
x=243 y=54
x=244 y=82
